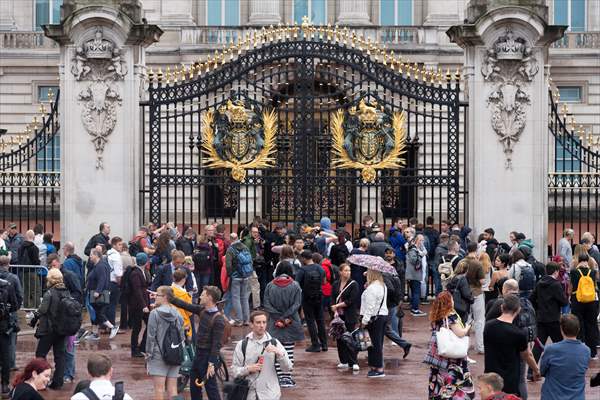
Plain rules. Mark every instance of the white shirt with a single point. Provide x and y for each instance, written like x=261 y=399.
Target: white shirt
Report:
x=116 y=264
x=103 y=389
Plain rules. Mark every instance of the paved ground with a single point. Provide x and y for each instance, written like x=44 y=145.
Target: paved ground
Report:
x=315 y=374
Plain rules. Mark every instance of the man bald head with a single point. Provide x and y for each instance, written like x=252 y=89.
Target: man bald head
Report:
x=511 y=286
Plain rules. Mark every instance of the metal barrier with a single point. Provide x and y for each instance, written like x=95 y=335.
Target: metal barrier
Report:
x=33 y=282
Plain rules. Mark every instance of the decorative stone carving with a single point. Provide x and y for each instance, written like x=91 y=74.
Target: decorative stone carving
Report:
x=99 y=61
x=509 y=64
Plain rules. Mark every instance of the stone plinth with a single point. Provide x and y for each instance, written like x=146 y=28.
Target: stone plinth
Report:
x=506 y=52
x=101 y=71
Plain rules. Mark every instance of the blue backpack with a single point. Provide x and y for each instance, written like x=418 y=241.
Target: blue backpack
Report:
x=243 y=263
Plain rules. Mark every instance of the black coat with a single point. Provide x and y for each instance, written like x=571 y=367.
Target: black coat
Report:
x=29 y=254
x=73 y=284
x=461 y=294
x=98 y=238
x=186 y=245
x=350 y=296
x=548 y=298
x=164 y=277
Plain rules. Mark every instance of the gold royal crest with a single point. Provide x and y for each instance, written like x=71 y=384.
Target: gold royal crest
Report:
x=236 y=138
x=368 y=139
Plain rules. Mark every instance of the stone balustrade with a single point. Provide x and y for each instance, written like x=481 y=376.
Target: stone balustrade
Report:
x=218 y=36
x=25 y=40
x=578 y=40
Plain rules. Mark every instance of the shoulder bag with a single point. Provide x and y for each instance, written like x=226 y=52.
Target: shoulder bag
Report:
x=449 y=345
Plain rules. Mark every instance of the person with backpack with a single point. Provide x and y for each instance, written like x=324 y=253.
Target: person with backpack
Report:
x=49 y=330
x=548 y=298
x=99 y=367
x=339 y=250
x=283 y=298
x=311 y=278
x=11 y=326
x=260 y=277
x=209 y=339
x=584 y=302
x=9 y=305
x=445 y=262
x=238 y=260
x=523 y=273
x=164 y=344
x=255 y=359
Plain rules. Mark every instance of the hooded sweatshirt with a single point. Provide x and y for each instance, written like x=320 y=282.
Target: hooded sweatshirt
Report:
x=282 y=301
x=548 y=298
x=183 y=295
x=158 y=322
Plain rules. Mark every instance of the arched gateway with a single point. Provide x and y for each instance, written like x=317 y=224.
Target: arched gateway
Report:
x=279 y=91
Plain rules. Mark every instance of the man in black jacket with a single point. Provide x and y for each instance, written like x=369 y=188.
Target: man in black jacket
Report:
x=99 y=238
x=8 y=301
x=548 y=298
x=13 y=323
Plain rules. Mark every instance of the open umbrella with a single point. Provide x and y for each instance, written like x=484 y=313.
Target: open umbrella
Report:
x=375 y=263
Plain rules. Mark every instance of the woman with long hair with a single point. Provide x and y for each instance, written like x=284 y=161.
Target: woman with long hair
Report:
x=162 y=254
x=373 y=310
x=35 y=377
x=283 y=298
x=488 y=270
x=287 y=254
x=580 y=249
x=345 y=297
x=476 y=277
x=499 y=276
x=448 y=378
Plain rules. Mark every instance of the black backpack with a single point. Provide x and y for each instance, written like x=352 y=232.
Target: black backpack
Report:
x=68 y=318
x=119 y=392
x=172 y=345
x=526 y=279
x=312 y=285
x=125 y=284
x=526 y=319
x=394 y=290
x=6 y=306
x=135 y=247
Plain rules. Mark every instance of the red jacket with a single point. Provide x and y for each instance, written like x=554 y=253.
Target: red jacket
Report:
x=326 y=287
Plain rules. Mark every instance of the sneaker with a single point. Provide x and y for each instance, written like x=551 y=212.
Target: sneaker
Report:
x=287 y=383
x=324 y=347
x=342 y=366
x=113 y=331
x=471 y=361
x=417 y=313
x=595 y=358
x=137 y=354
x=313 y=349
x=81 y=334
x=375 y=374
x=355 y=368
x=92 y=336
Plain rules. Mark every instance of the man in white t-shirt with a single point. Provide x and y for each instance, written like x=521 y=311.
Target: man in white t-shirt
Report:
x=100 y=370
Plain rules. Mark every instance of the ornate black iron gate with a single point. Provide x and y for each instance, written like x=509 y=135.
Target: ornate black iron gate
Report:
x=303 y=75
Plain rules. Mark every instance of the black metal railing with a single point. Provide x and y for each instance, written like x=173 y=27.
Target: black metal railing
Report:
x=30 y=175
x=573 y=181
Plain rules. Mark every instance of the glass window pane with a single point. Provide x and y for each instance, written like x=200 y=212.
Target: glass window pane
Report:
x=213 y=12
x=43 y=93
x=405 y=12
x=42 y=13
x=577 y=15
x=232 y=12
x=318 y=12
x=570 y=93
x=56 y=11
x=386 y=12
x=561 y=12
x=300 y=10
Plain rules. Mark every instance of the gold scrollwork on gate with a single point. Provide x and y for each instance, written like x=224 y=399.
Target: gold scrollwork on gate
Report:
x=368 y=139
x=237 y=138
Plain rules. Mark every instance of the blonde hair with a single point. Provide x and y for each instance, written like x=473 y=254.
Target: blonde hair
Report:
x=373 y=276
x=486 y=262
x=55 y=277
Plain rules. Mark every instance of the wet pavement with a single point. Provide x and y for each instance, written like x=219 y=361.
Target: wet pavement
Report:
x=315 y=373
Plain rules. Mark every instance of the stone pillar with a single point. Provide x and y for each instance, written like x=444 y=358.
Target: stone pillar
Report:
x=7 y=15
x=506 y=51
x=443 y=13
x=264 y=12
x=353 y=12
x=102 y=66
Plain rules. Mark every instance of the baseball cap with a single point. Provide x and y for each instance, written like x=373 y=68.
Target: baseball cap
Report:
x=141 y=259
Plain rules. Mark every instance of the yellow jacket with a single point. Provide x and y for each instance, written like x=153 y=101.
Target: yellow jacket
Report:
x=182 y=295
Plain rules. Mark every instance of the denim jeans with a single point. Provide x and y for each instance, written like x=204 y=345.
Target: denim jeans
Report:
x=111 y=310
x=201 y=281
x=415 y=294
x=437 y=280
x=69 y=358
x=239 y=297
x=228 y=304
x=391 y=329
x=199 y=373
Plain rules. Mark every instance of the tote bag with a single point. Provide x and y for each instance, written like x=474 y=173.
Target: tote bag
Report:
x=449 y=345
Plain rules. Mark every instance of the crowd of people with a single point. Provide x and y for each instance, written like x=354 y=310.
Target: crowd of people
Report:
x=174 y=286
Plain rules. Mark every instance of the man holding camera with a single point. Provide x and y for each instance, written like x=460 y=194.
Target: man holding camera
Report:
x=255 y=357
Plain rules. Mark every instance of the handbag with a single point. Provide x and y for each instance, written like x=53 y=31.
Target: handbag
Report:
x=237 y=389
x=337 y=327
x=358 y=340
x=449 y=345
x=189 y=353
x=104 y=297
